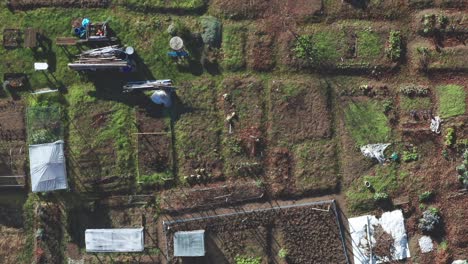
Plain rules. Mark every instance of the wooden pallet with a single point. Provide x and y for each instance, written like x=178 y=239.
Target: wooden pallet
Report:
x=30 y=37
x=65 y=41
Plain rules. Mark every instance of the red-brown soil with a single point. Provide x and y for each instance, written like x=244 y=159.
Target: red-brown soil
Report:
x=154 y=150
x=245 y=9
x=252 y=234
x=12 y=142
x=210 y=196
x=304 y=115
x=261 y=48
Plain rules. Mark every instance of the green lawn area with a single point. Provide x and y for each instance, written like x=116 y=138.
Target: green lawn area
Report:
x=415 y=103
x=316 y=166
x=234 y=37
x=385 y=179
x=369 y=45
x=452 y=100
x=367 y=123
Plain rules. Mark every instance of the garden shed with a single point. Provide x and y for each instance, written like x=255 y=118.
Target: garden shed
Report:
x=47 y=167
x=114 y=240
x=189 y=243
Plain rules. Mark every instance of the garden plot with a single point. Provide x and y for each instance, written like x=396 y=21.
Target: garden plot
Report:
x=449 y=59
x=210 y=196
x=12 y=141
x=452 y=100
x=155 y=164
x=244 y=9
x=316 y=167
x=100 y=142
x=255 y=234
x=12 y=227
x=197 y=133
x=260 y=48
x=233 y=47
x=243 y=137
x=343 y=46
x=30 y=4
x=299 y=110
x=415 y=110
x=48 y=241
x=114 y=212
x=366 y=122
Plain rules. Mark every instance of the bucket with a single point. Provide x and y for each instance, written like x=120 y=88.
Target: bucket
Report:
x=367 y=184
x=129 y=50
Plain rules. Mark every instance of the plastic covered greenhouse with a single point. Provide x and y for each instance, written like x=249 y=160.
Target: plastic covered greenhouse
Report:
x=114 y=240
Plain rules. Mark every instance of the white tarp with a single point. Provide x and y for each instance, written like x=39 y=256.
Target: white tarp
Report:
x=114 y=240
x=47 y=167
x=435 y=124
x=375 y=151
x=425 y=244
x=362 y=229
x=189 y=243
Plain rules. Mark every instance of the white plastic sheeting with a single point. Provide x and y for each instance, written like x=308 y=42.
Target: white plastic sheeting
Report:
x=47 y=167
x=161 y=97
x=189 y=243
x=435 y=124
x=362 y=229
x=425 y=244
x=114 y=240
x=375 y=151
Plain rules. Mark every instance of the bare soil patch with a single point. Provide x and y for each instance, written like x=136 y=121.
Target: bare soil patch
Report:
x=299 y=110
x=154 y=150
x=245 y=9
x=260 y=48
x=12 y=242
x=210 y=196
x=13 y=150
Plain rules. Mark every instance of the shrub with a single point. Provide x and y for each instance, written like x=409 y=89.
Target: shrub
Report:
x=247 y=260
x=380 y=196
x=42 y=136
x=409 y=156
x=394 y=47
x=425 y=196
x=430 y=220
x=449 y=137
x=462 y=170
x=283 y=253
x=304 y=48
x=442 y=20
x=388 y=106
x=429 y=24
x=211 y=31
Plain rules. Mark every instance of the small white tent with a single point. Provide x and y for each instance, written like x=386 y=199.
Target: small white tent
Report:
x=47 y=167
x=114 y=240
